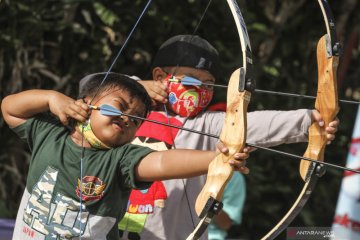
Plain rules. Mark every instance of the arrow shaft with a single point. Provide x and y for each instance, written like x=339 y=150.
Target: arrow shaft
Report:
x=280 y=93
x=300 y=96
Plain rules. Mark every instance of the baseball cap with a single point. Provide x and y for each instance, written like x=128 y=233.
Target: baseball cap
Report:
x=188 y=51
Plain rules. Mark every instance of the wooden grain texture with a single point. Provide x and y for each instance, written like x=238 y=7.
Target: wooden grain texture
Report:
x=233 y=135
x=326 y=103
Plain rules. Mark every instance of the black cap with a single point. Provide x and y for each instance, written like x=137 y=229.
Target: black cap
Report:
x=188 y=51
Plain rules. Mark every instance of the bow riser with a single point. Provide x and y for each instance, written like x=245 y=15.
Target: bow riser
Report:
x=326 y=104
x=233 y=135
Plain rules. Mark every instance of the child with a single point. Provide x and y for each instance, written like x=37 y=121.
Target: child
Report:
x=188 y=55
x=80 y=179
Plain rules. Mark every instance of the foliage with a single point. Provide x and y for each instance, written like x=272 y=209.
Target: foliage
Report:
x=53 y=44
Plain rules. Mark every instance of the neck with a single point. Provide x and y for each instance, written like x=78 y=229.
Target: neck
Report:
x=78 y=139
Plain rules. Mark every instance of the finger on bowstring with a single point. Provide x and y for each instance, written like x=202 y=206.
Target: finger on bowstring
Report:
x=160 y=94
x=77 y=114
x=79 y=109
x=158 y=98
x=63 y=119
x=82 y=104
x=153 y=103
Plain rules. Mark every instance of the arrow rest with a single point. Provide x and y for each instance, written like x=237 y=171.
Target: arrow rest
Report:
x=315 y=168
x=332 y=49
x=250 y=84
x=337 y=49
x=246 y=81
x=320 y=170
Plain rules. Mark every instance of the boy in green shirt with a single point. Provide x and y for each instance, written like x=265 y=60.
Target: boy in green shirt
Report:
x=80 y=177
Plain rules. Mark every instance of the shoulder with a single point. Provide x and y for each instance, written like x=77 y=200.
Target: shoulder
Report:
x=39 y=124
x=130 y=154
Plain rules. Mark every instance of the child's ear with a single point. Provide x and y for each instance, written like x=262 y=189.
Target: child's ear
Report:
x=158 y=74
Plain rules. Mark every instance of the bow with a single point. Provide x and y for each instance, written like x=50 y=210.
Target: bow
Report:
x=233 y=133
x=328 y=51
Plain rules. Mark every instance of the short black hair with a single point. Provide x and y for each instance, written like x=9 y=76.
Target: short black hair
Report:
x=93 y=84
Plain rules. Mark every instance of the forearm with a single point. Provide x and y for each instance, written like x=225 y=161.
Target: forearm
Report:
x=271 y=128
x=176 y=163
x=17 y=108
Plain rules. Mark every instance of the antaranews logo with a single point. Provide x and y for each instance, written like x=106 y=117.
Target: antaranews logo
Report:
x=311 y=233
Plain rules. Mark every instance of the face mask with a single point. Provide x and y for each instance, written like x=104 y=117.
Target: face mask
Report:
x=187 y=101
x=90 y=136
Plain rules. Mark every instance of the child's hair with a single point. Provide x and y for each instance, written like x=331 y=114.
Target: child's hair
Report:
x=90 y=86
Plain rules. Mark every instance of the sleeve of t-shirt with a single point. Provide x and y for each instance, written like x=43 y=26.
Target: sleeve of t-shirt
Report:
x=130 y=157
x=35 y=127
x=272 y=128
x=267 y=128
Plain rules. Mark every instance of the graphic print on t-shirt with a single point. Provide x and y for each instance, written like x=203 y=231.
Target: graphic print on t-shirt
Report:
x=144 y=202
x=92 y=188
x=55 y=217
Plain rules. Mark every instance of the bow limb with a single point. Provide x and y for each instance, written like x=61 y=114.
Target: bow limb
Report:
x=327 y=105
x=233 y=134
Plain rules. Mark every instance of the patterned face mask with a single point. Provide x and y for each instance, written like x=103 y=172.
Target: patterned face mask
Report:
x=90 y=136
x=187 y=101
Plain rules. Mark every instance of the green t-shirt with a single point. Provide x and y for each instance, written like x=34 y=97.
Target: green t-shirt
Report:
x=50 y=207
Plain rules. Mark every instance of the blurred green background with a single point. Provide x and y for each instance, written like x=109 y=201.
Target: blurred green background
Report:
x=53 y=44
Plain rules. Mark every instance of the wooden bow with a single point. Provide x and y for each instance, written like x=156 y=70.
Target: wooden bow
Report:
x=233 y=133
x=327 y=104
